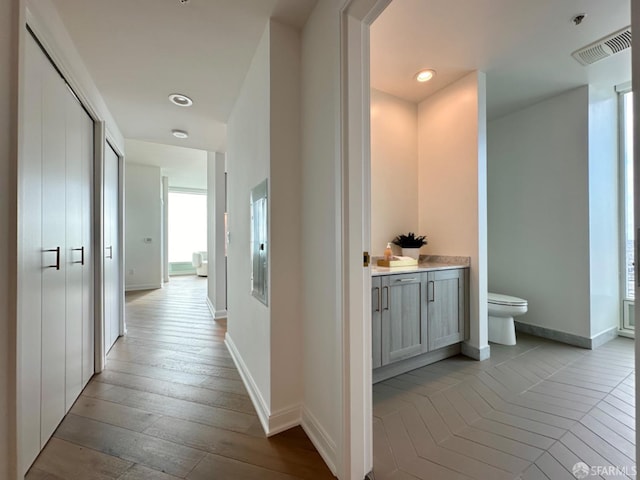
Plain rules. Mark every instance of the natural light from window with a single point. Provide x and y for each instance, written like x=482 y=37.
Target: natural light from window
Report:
x=626 y=165
x=187 y=225
x=628 y=194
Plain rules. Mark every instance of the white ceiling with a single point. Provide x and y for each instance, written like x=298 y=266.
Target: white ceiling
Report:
x=138 y=52
x=185 y=167
x=524 y=46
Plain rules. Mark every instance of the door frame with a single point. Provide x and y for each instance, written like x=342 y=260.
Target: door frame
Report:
x=356 y=18
x=102 y=141
x=635 y=66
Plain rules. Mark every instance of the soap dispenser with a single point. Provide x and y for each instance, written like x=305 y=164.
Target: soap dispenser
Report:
x=388 y=253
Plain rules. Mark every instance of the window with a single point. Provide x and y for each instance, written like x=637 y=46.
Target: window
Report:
x=187 y=225
x=626 y=176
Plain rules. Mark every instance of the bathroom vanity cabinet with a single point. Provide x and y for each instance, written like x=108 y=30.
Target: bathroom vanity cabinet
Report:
x=418 y=318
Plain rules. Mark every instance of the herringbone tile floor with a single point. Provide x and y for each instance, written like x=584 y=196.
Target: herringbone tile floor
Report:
x=533 y=411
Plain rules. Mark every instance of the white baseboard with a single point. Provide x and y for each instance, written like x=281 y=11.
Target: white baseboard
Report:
x=476 y=353
x=259 y=403
x=284 y=419
x=320 y=438
x=216 y=314
x=149 y=286
x=568 y=338
x=272 y=423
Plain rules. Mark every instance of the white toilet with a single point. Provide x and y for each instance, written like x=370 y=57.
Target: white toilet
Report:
x=502 y=309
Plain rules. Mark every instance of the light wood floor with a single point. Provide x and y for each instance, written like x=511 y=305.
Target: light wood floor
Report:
x=170 y=405
x=532 y=411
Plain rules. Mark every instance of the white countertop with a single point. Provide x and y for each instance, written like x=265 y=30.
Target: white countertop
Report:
x=427 y=263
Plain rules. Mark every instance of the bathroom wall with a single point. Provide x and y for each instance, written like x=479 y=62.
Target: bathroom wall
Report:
x=452 y=187
x=394 y=169
x=552 y=212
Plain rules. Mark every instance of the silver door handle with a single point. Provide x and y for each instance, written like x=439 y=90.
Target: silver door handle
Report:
x=431 y=291
x=378 y=299
x=57 y=252
x=407 y=280
x=110 y=248
x=81 y=249
x=387 y=307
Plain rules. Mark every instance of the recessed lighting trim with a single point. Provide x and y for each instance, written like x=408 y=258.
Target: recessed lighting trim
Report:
x=182 y=134
x=425 y=75
x=180 y=100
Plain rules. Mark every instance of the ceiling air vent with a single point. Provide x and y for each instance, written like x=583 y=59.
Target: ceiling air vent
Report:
x=605 y=47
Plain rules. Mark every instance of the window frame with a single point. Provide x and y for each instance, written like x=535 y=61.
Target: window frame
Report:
x=627 y=303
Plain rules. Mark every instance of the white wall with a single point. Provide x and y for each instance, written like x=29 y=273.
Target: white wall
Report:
x=321 y=230
x=267 y=339
x=452 y=187
x=285 y=233
x=248 y=164
x=217 y=279
x=143 y=219
x=604 y=213
x=394 y=169
x=8 y=154
x=545 y=172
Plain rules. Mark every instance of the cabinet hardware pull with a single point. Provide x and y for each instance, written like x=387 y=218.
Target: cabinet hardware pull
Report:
x=378 y=299
x=81 y=250
x=387 y=307
x=110 y=252
x=407 y=280
x=57 y=251
x=432 y=291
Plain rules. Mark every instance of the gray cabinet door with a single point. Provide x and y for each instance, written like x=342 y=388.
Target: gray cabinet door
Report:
x=404 y=326
x=376 y=321
x=446 y=307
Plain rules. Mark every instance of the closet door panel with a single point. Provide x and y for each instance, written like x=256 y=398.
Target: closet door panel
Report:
x=30 y=256
x=54 y=253
x=74 y=251
x=108 y=264
x=87 y=242
x=111 y=229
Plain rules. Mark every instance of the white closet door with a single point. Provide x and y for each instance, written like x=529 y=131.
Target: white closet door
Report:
x=77 y=247
x=111 y=263
x=30 y=256
x=54 y=257
x=55 y=328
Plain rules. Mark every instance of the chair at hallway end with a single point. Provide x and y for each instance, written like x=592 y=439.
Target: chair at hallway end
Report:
x=199 y=260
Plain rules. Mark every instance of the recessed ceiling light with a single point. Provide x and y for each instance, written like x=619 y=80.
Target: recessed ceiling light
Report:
x=180 y=134
x=425 y=75
x=180 y=100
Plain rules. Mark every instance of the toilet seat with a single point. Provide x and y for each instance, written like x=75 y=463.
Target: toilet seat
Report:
x=506 y=300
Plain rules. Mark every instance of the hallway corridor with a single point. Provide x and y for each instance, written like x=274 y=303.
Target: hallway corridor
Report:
x=170 y=405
